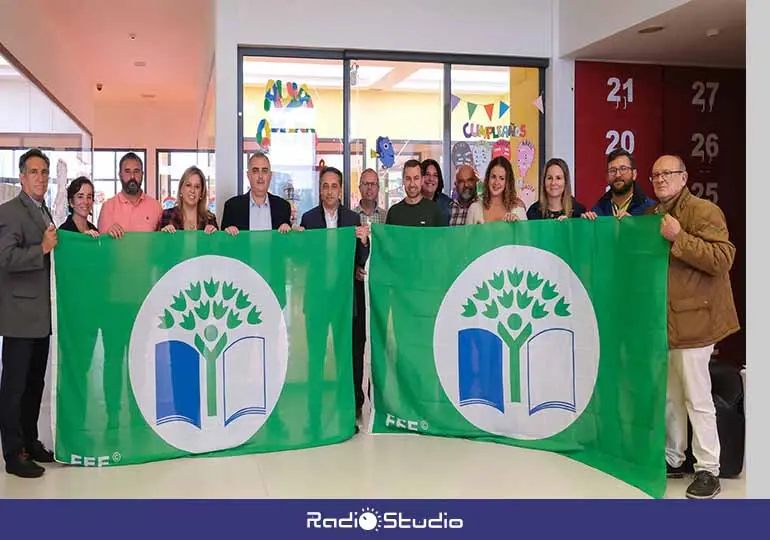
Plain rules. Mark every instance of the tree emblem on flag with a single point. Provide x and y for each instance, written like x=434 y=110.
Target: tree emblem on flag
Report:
x=515 y=303
x=223 y=307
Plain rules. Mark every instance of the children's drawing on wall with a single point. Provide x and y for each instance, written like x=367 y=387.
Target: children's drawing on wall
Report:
x=525 y=156
x=59 y=207
x=502 y=148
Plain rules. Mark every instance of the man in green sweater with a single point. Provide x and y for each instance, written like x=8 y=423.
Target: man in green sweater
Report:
x=414 y=210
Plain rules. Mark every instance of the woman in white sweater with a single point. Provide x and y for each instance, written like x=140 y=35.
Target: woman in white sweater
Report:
x=499 y=201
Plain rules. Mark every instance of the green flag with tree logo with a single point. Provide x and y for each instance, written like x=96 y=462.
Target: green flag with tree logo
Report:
x=186 y=344
x=544 y=334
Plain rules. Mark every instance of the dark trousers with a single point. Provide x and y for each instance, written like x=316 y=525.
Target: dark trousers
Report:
x=21 y=391
x=359 y=343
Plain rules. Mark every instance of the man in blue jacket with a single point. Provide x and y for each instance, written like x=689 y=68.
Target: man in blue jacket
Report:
x=624 y=196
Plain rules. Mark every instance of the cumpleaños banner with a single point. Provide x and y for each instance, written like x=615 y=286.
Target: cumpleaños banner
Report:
x=545 y=334
x=187 y=344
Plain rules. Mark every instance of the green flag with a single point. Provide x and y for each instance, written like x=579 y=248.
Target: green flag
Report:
x=172 y=345
x=546 y=334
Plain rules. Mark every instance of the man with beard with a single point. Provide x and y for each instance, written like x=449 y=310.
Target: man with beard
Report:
x=131 y=210
x=414 y=210
x=624 y=196
x=466 y=182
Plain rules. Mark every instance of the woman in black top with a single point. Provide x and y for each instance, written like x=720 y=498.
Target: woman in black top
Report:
x=556 y=200
x=80 y=201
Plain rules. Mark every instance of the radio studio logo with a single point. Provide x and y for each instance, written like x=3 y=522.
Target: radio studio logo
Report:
x=371 y=519
x=208 y=354
x=516 y=343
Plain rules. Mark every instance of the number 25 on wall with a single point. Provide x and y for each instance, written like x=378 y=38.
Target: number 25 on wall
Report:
x=710 y=191
x=614 y=97
x=626 y=140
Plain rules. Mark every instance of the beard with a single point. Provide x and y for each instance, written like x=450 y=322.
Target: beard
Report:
x=466 y=194
x=622 y=190
x=131 y=187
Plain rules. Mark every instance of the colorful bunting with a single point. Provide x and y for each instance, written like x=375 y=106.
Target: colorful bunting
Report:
x=455 y=101
x=471 y=109
x=539 y=103
x=489 y=108
x=503 y=109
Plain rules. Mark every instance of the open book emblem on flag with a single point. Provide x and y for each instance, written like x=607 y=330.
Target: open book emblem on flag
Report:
x=216 y=354
x=516 y=343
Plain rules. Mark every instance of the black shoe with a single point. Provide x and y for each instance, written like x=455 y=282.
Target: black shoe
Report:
x=23 y=467
x=37 y=452
x=705 y=486
x=675 y=472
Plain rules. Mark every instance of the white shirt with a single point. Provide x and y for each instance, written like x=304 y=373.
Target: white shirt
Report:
x=331 y=219
x=476 y=213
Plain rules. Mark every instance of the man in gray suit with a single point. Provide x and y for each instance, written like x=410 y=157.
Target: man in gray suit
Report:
x=27 y=237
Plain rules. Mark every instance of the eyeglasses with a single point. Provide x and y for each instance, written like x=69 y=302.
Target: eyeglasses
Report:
x=623 y=169
x=665 y=176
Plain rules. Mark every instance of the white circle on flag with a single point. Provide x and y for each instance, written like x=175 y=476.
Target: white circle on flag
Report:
x=208 y=354
x=521 y=311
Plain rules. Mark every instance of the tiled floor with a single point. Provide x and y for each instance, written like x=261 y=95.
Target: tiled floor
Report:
x=368 y=466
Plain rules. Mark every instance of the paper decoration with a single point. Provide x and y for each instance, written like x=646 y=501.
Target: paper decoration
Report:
x=455 y=101
x=525 y=156
x=502 y=109
x=489 y=108
x=471 y=109
x=502 y=147
x=263 y=135
x=289 y=95
x=505 y=131
x=539 y=103
x=384 y=151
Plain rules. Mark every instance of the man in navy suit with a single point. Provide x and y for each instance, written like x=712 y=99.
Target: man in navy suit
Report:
x=257 y=210
x=331 y=214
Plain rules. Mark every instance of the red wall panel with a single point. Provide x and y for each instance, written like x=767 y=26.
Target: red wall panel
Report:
x=616 y=105
x=704 y=121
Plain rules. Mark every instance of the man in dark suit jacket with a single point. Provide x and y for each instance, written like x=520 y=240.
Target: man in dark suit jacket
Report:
x=27 y=237
x=331 y=214
x=257 y=210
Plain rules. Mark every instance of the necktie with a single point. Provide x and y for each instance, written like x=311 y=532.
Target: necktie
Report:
x=47 y=219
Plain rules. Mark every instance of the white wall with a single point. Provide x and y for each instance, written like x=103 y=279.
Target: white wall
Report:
x=583 y=22
x=31 y=37
x=25 y=109
x=490 y=27
x=149 y=125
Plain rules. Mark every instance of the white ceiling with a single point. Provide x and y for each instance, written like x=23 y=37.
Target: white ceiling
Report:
x=173 y=37
x=684 y=39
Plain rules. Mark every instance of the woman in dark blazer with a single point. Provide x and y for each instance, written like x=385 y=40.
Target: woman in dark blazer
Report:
x=80 y=201
x=191 y=211
x=556 y=200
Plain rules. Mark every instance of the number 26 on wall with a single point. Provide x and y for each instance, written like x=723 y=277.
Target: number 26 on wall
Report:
x=708 y=192
x=705 y=146
x=626 y=140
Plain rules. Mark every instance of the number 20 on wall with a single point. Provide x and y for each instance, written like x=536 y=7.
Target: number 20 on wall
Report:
x=626 y=140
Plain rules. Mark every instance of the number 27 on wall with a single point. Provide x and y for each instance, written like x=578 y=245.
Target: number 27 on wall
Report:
x=614 y=93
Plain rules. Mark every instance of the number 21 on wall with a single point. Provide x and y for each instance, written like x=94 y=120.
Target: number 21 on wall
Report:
x=626 y=140
x=614 y=97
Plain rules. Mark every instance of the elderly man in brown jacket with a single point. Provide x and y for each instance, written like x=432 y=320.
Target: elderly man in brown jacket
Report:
x=701 y=312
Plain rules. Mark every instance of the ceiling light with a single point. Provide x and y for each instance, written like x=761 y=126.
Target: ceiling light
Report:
x=147 y=96
x=140 y=63
x=712 y=32
x=132 y=36
x=651 y=29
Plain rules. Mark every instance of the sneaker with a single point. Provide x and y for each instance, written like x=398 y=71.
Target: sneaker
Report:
x=675 y=472
x=705 y=486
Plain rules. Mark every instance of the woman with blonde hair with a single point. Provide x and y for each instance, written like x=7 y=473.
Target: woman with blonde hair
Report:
x=556 y=200
x=191 y=211
x=499 y=200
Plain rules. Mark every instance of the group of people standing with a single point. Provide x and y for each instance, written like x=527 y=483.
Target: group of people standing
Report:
x=701 y=310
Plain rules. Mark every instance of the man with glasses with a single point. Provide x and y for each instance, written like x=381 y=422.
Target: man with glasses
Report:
x=701 y=312
x=624 y=195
